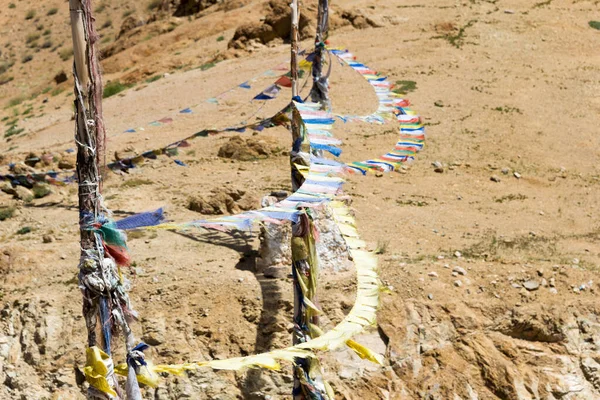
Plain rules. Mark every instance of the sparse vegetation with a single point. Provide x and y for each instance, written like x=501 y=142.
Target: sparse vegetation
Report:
x=510 y=197
x=15 y=101
x=100 y=8
x=66 y=53
x=26 y=58
x=57 y=91
x=220 y=38
x=52 y=11
x=106 y=24
x=507 y=110
x=206 y=66
x=382 y=246
x=24 y=230
x=127 y=13
x=153 y=5
x=6 y=65
x=404 y=87
x=30 y=14
x=46 y=45
x=136 y=182
x=595 y=25
x=542 y=4
x=32 y=37
x=457 y=39
x=13 y=131
x=6 y=212
x=112 y=88
x=494 y=248
x=11 y=5
x=153 y=78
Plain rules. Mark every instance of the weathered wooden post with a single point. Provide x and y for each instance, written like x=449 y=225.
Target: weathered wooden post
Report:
x=294 y=38
x=89 y=145
x=320 y=89
x=98 y=278
x=304 y=258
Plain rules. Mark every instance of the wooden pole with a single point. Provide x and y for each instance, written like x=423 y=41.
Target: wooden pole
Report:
x=294 y=38
x=88 y=129
x=320 y=89
x=87 y=168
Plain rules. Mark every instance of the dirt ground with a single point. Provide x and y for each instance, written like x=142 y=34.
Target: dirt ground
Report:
x=491 y=263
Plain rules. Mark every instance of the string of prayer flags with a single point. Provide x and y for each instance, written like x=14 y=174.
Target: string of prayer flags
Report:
x=317 y=189
x=412 y=130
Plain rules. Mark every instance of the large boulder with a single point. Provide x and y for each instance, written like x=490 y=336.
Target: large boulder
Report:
x=249 y=149
x=277 y=24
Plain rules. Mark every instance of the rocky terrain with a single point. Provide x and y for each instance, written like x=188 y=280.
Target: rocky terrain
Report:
x=489 y=243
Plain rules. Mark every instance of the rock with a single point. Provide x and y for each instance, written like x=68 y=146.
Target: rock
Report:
x=531 y=285
x=277 y=271
x=552 y=282
x=505 y=171
x=359 y=20
x=459 y=270
x=154 y=331
x=48 y=239
x=7 y=188
x=457 y=254
x=516 y=286
x=544 y=283
x=575 y=261
x=60 y=77
x=128 y=24
x=22 y=169
x=185 y=8
x=495 y=178
x=430 y=296
x=540 y=272
x=221 y=201
x=41 y=189
x=433 y=274
x=32 y=159
x=276 y=25
x=247 y=150
x=68 y=161
x=22 y=193
x=517 y=175
x=458 y=283
x=553 y=290
x=438 y=167
x=438 y=103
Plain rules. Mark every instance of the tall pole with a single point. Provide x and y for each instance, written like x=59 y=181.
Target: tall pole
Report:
x=89 y=136
x=307 y=382
x=294 y=38
x=85 y=137
x=320 y=89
